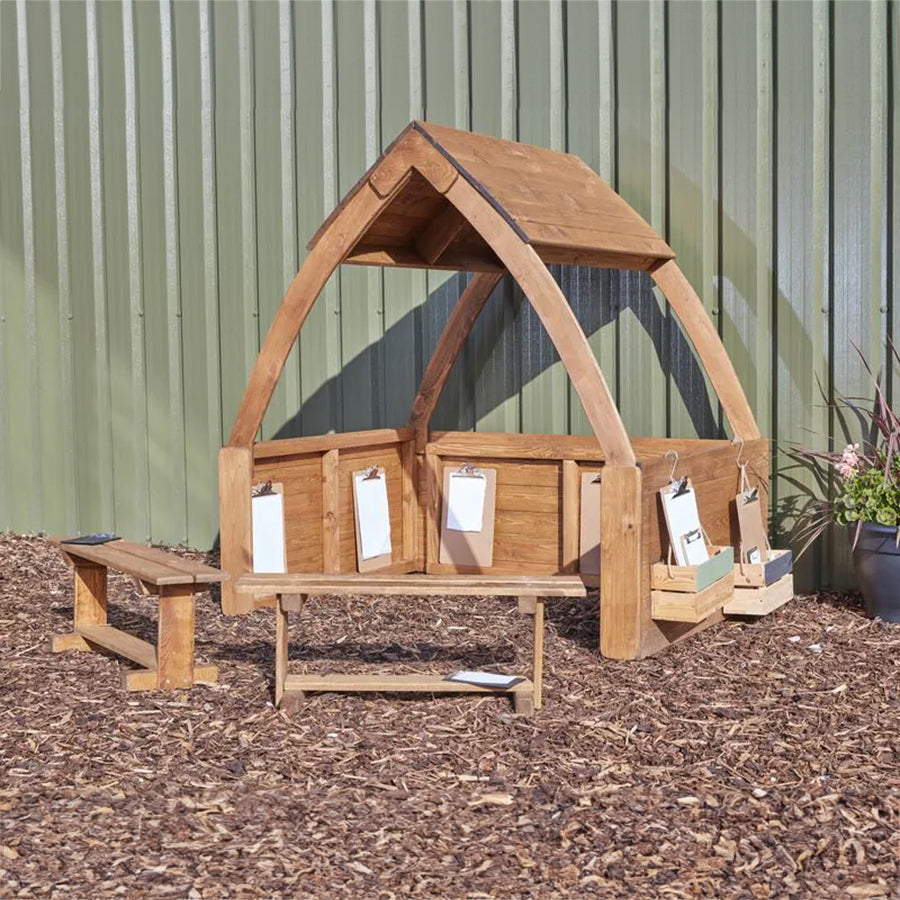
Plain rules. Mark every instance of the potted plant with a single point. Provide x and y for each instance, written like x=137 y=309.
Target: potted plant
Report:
x=866 y=497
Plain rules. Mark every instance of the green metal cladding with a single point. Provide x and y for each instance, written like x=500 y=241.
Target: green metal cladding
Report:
x=163 y=164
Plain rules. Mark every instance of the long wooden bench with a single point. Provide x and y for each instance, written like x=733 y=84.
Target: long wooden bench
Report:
x=292 y=590
x=168 y=665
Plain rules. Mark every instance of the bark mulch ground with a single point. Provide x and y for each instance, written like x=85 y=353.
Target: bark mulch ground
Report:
x=759 y=760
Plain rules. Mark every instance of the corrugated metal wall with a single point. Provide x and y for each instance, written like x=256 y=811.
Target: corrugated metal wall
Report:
x=163 y=164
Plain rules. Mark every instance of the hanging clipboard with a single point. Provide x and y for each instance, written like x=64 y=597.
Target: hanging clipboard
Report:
x=589 y=526
x=754 y=543
x=372 y=516
x=467 y=519
x=267 y=513
x=686 y=536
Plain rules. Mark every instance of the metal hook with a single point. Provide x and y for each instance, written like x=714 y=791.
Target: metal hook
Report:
x=674 y=464
x=740 y=450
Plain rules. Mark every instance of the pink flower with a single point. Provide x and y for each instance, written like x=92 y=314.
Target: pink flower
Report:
x=847 y=465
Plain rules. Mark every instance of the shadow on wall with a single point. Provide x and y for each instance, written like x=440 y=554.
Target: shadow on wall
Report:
x=597 y=296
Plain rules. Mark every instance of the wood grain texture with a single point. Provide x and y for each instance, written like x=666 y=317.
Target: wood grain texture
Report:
x=235 y=521
x=175 y=644
x=447 y=350
x=121 y=643
x=703 y=335
x=571 y=501
x=692 y=606
x=537 y=654
x=432 y=511
x=320 y=443
x=621 y=563
x=409 y=513
x=90 y=595
x=760 y=601
x=439 y=234
x=331 y=533
x=281 y=649
x=400 y=684
x=414 y=585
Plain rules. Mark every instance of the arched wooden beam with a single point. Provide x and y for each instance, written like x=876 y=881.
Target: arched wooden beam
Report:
x=347 y=226
x=557 y=317
x=449 y=346
x=703 y=335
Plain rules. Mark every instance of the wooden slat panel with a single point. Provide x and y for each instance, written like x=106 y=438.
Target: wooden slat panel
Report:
x=123 y=560
x=322 y=442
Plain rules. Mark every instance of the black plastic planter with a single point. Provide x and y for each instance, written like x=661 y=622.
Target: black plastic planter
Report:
x=876 y=561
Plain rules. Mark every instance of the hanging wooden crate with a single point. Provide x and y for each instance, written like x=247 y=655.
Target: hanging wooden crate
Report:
x=760 y=601
x=757 y=575
x=691 y=593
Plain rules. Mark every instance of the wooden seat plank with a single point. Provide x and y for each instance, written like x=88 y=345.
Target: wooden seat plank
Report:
x=413 y=585
x=202 y=573
x=121 y=643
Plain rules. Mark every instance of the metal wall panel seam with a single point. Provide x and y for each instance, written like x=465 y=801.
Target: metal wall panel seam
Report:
x=765 y=365
x=104 y=462
x=291 y=375
x=210 y=236
x=606 y=79
x=711 y=199
x=461 y=86
x=6 y=498
x=374 y=274
x=248 y=187
x=141 y=491
x=174 y=325
x=331 y=295
x=557 y=77
x=894 y=193
x=878 y=36
x=508 y=62
x=822 y=357
x=31 y=378
x=414 y=39
x=660 y=406
x=67 y=386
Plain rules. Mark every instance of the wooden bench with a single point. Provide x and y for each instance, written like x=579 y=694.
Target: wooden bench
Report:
x=168 y=665
x=292 y=590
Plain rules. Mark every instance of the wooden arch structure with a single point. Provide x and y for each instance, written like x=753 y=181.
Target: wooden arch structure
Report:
x=441 y=198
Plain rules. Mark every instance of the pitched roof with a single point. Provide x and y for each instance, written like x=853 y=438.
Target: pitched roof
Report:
x=553 y=200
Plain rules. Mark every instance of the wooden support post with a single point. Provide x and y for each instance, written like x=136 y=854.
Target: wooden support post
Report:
x=410 y=509
x=90 y=594
x=281 y=649
x=235 y=523
x=331 y=534
x=175 y=644
x=571 y=491
x=432 y=510
x=537 y=663
x=621 y=600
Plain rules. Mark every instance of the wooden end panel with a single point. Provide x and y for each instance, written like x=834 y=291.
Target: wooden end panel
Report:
x=389 y=458
x=235 y=524
x=301 y=475
x=714 y=473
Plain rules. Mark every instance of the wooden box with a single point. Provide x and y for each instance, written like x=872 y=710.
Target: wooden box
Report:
x=763 y=574
x=691 y=593
x=760 y=601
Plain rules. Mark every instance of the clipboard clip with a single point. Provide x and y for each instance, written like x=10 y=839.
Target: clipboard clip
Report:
x=681 y=486
x=262 y=490
x=750 y=495
x=467 y=470
x=371 y=474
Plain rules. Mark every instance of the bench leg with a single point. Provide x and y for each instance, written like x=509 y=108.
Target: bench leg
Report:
x=537 y=659
x=281 y=649
x=90 y=606
x=175 y=646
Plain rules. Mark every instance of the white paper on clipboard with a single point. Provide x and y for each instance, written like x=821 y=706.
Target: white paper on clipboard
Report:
x=465 y=502
x=374 y=515
x=683 y=520
x=267 y=511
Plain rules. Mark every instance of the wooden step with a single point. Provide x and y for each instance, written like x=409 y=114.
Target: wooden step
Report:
x=428 y=684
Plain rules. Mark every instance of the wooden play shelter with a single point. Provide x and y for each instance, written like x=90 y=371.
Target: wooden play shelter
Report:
x=439 y=198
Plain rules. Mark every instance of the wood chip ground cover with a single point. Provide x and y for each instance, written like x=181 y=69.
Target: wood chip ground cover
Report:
x=759 y=760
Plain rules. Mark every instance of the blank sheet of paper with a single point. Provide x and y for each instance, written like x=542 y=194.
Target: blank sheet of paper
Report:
x=465 y=503
x=683 y=518
x=374 y=515
x=268 y=534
